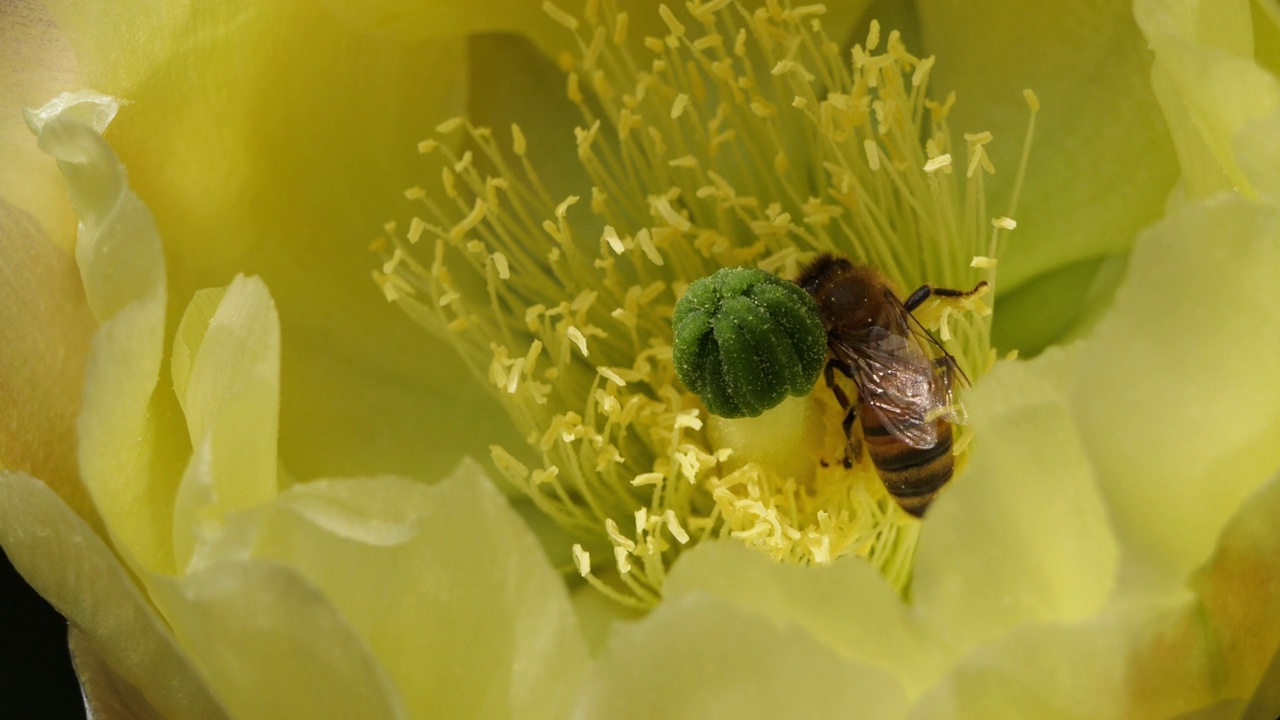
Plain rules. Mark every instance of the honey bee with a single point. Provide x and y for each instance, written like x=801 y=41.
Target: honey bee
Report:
x=903 y=375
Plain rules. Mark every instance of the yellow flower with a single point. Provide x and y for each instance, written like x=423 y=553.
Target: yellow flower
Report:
x=1108 y=550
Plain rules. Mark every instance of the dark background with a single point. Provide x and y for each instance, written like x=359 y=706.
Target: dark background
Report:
x=36 y=679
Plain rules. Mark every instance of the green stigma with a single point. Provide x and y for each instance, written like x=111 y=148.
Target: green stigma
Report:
x=745 y=339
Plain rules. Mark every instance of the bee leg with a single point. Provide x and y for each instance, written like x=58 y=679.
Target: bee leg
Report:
x=853 y=444
x=853 y=448
x=923 y=293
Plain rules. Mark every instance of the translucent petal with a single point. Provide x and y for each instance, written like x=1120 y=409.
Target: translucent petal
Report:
x=1208 y=85
x=1022 y=535
x=276 y=140
x=36 y=63
x=1146 y=661
x=127 y=462
x=847 y=606
x=446 y=585
x=226 y=372
x=1239 y=589
x=272 y=646
x=1176 y=395
x=67 y=563
x=1102 y=164
x=45 y=328
x=699 y=656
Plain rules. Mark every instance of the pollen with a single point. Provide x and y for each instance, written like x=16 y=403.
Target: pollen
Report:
x=737 y=138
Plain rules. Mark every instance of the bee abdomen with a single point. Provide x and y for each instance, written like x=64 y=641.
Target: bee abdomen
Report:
x=912 y=475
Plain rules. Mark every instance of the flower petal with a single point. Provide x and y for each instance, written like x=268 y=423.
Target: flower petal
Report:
x=1208 y=85
x=847 y=606
x=127 y=462
x=699 y=656
x=272 y=646
x=1177 y=395
x=226 y=370
x=276 y=140
x=68 y=564
x=45 y=328
x=1022 y=535
x=1147 y=661
x=1101 y=165
x=446 y=585
x=36 y=63
x=1239 y=589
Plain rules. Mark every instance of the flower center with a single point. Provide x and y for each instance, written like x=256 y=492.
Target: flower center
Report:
x=740 y=138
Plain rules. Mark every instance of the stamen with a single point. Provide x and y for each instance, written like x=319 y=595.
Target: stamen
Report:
x=739 y=138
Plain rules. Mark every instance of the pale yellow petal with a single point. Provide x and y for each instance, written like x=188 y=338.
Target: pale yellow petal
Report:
x=36 y=63
x=45 y=328
x=67 y=563
x=272 y=646
x=846 y=606
x=1102 y=164
x=450 y=590
x=1208 y=84
x=1239 y=590
x=128 y=454
x=1177 y=395
x=226 y=373
x=274 y=139
x=700 y=656
x=1146 y=661
x=1021 y=535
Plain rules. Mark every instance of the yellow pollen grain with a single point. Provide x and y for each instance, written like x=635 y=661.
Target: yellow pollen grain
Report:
x=937 y=163
x=427 y=146
x=616 y=536
x=581 y=560
x=1004 y=223
x=607 y=403
x=684 y=161
x=1033 y=102
x=668 y=213
x=610 y=236
x=673 y=526
x=577 y=338
x=416 y=226
x=468 y=223
x=621 y=560
x=501 y=265
x=669 y=18
x=708 y=42
x=507 y=463
x=414 y=193
x=560 y=16
x=649 y=478
x=983 y=262
x=873 y=35
x=611 y=376
x=705 y=12
x=518 y=143
x=545 y=475
x=449 y=125
x=620 y=29
x=678 y=106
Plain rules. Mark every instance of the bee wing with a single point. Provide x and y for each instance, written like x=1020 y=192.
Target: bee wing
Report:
x=905 y=376
x=899 y=382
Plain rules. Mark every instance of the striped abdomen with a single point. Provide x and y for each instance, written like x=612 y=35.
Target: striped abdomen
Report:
x=911 y=475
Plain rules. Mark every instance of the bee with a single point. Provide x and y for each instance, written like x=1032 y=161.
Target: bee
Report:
x=903 y=375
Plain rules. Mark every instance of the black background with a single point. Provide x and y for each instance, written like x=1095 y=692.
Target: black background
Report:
x=36 y=679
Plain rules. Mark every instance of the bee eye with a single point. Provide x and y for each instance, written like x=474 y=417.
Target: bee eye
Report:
x=745 y=339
